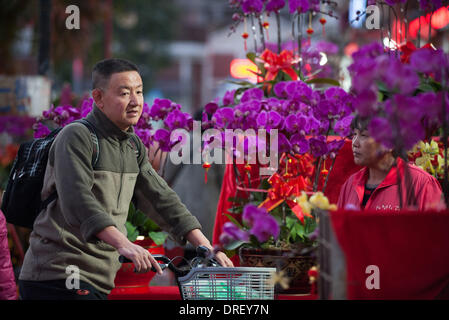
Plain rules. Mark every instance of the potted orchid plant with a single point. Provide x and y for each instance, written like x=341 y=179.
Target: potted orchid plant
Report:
x=298 y=106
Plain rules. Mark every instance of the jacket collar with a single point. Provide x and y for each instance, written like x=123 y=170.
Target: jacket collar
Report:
x=103 y=124
x=361 y=178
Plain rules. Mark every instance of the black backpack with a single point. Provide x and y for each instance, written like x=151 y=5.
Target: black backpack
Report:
x=22 y=203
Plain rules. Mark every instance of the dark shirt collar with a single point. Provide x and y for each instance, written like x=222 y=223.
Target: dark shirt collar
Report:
x=103 y=124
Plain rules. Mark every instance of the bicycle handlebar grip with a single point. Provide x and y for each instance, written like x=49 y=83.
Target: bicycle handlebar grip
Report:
x=123 y=259
x=158 y=257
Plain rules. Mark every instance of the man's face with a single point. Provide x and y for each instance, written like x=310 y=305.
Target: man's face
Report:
x=122 y=100
x=367 y=152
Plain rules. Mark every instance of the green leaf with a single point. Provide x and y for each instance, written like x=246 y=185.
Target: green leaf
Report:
x=139 y=218
x=150 y=225
x=324 y=81
x=251 y=56
x=158 y=237
x=132 y=232
x=237 y=209
x=425 y=87
x=234 y=245
x=234 y=221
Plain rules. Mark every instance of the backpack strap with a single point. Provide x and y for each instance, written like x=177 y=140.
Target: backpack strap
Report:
x=95 y=156
x=136 y=146
x=93 y=135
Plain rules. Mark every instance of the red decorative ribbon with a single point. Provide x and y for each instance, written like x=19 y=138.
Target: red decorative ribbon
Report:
x=287 y=186
x=273 y=63
x=408 y=48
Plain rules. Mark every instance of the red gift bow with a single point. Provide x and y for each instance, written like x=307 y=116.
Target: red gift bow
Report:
x=408 y=48
x=274 y=63
x=286 y=187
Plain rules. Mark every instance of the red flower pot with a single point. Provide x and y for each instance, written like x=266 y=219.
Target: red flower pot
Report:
x=127 y=278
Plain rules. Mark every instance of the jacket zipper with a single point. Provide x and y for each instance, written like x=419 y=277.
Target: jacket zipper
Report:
x=121 y=176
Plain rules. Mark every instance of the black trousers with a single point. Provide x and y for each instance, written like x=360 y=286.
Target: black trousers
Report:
x=57 y=290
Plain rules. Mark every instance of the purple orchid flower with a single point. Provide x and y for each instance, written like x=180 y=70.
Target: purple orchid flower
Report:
x=252 y=94
x=429 y=5
x=231 y=232
x=211 y=107
x=399 y=77
x=251 y=213
x=265 y=227
x=162 y=136
x=318 y=146
x=279 y=89
x=299 y=143
x=249 y=6
x=160 y=108
x=284 y=144
x=223 y=117
x=394 y=2
x=343 y=126
x=365 y=103
x=228 y=98
x=176 y=119
x=274 y=5
x=270 y=120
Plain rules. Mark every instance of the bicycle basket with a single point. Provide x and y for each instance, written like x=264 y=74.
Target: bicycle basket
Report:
x=219 y=283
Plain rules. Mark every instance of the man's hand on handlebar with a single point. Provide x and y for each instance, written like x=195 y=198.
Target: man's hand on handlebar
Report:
x=142 y=259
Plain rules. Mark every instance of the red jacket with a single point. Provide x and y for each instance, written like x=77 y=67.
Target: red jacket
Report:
x=8 y=287
x=426 y=188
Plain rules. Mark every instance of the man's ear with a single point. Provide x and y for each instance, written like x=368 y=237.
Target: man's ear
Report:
x=97 y=95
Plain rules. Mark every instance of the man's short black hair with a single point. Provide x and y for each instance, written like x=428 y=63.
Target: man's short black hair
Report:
x=104 y=69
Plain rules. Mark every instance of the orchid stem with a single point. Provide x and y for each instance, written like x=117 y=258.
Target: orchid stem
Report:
x=328 y=173
x=262 y=37
x=317 y=174
x=278 y=22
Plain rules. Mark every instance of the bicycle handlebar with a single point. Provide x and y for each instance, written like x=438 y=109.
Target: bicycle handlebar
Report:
x=201 y=251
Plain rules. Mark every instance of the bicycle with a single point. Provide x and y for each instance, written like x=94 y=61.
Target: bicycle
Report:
x=204 y=279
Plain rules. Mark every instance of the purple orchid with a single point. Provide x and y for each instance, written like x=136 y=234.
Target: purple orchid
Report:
x=162 y=136
x=366 y=103
x=318 y=146
x=397 y=76
x=343 y=126
x=270 y=120
x=429 y=5
x=394 y=2
x=223 y=117
x=176 y=119
x=283 y=144
x=252 y=94
x=300 y=144
x=298 y=90
x=265 y=227
x=211 y=107
x=40 y=130
x=274 y=5
x=249 y=6
x=430 y=61
x=231 y=232
x=279 y=89
x=251 y=213
x=228 y=98
x=298 y=6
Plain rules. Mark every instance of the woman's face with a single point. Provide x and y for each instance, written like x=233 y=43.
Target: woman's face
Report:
x=367 y=152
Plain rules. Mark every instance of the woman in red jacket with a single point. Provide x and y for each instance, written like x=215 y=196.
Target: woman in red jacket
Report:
x=376 y=186
x=8 y=289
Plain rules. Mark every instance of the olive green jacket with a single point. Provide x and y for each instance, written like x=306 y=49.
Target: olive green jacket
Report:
x=91 y=199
